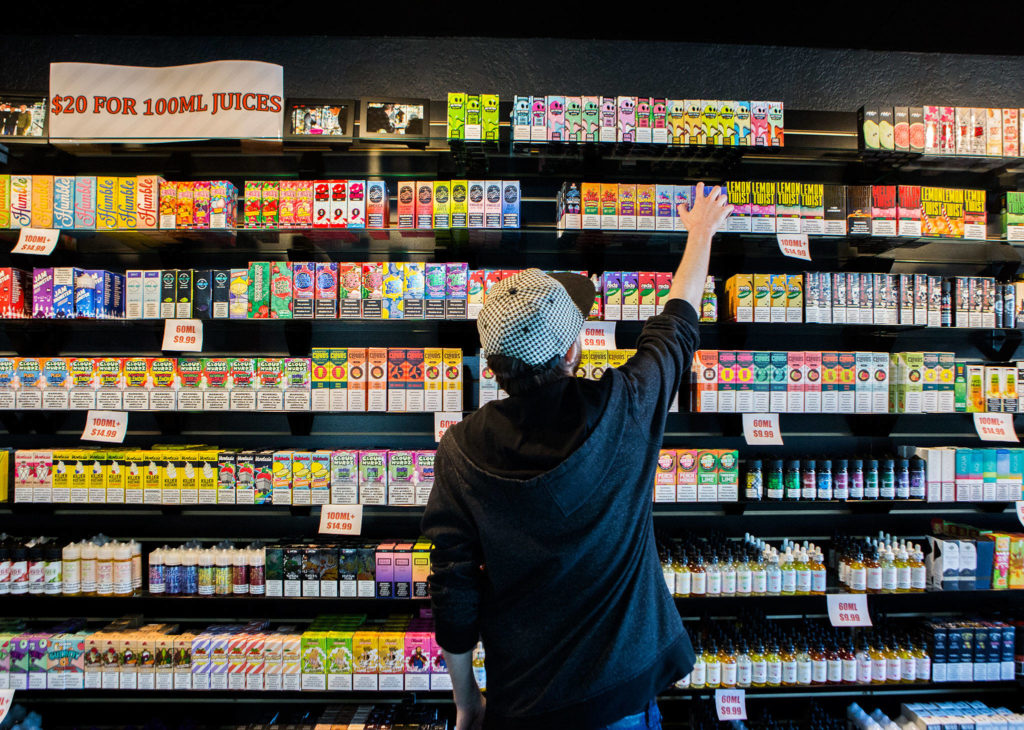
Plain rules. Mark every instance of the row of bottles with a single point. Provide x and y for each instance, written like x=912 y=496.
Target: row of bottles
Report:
x=223 y=570
x=750 y=567
x=835 y=479
x=804 y=654
x=879 y=565
x=41 y=566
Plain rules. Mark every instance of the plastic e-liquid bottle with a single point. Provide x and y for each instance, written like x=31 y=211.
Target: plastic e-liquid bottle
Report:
x=792 y=480
x=871 y=488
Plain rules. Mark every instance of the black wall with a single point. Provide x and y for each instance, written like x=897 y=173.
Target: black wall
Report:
x=804 y=78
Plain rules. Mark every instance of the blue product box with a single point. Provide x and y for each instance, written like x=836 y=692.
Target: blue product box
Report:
x=63 y=202
x=510 y=204
x=64 y=292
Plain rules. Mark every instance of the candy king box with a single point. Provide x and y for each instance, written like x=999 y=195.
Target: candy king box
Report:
x=252 y=205
x=201 y=204
x=573 y=119
x=281 y=290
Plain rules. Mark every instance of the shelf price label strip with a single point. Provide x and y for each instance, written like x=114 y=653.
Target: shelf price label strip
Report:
x=731 y=704
x=183 y=335
x=848 y=609
x=794 y=245
x=762 y=429
x=995 y=427
x=37 y=241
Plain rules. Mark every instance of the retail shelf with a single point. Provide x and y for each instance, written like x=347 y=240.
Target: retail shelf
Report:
x=916 y=689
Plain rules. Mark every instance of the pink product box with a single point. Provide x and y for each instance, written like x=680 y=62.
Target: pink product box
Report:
x=419 y=647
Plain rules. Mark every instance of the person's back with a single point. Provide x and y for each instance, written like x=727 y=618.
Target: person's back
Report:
x=541 y=512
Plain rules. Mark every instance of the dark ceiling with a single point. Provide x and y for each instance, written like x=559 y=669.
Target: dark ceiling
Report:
x=906 y=25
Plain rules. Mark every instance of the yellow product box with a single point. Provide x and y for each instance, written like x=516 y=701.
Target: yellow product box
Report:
x=134 y=476
x=598 y=364
x=794 y=298
x=778 y=292
x=975 y=388
x=740 y=293
x=366 y=661
x=281 y=481
x=433 y=377
x=338 y=363
x=420 y=568
x=314 y=661
x=338 y=645
x=320 y=383
x=172 y=468
x=188 y=477
x=302 y=462
x=618 y=358
x=583 y=369
x=207 y=466
x=80 y=477
x=60 y=475
x=115 y=477
x=452 y=389
x=1016 y=576
x=762 y=298
x=910 y=382
x=391 y=660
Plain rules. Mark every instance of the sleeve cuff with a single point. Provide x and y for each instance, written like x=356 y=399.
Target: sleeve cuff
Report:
x=455 y=639
x=682 y=309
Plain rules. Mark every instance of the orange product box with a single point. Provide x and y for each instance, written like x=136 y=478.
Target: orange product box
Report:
x=185 y=202
x=168 y=205
x=609 y=206
x=686 y=475
x=357 y=378
x=704 y=376
x=42 y=201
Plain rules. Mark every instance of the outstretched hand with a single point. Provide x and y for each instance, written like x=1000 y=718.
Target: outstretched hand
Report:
x=707 y=213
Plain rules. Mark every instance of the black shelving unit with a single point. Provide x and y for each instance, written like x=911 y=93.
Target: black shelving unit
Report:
x=820 y=147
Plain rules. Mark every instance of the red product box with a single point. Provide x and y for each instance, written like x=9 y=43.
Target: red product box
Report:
x=201 y=204
x=339 y=204
x=13 y=299
x=321 y=203
x=406 y=204
x=185 y=215
x=270 y=195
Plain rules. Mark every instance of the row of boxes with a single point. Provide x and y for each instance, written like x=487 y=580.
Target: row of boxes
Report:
x=334 y=379
x=957 y=474
x=960 y=716
x=970 y=650
x=337 y=654
x=963 y=558
x=446 y=204
x=781 y=207
x=473 y=116
x=697 y=475
x=941 y=130
x=866 y=298
x=209 y=475
x=316 y=203
x=647 y=120
x=349 y=569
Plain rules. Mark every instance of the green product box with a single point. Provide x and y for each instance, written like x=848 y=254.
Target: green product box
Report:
x=338 y=647
x=960 y=387
x=728 y=475
x=489 y=116
x=707 y=475
x=762 y=382
x=314 y=661
x=780 y=382
x=456 y=115
x=281 y=290
x=259 y=290
x=473 y=118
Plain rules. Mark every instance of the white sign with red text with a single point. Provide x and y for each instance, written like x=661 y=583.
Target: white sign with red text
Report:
x=995 y=427
x=341 y=519
x=599 y=336
x=794 y=245
x=6 y=699
x=220 y=99
x=848 y=609
x=731 y=704
x=443 y=421
x=107 y=426
x=183 y=335
x=1020 y=512
x=760 y=429
x=36 y=241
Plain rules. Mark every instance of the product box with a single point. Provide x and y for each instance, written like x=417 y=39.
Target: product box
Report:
x=609 y=206
x=510 y=198
x=704 y=377
x=908 y=212
x=788 y=208
x=376 y=379
x=883 y=210
x=85 y=203
x=707 y=475
x=630 y=295
x=762 y=298
x=762 y=207
x=242 y=383
x=795 y=401
x=727 y=375
x=281 y=290
x=858 y=210
x=777 y=294
x=452 y=388
x=1011 y=132
x=42 y=201
x=627 y=207
x=975 y=218
x=812 y=209
x=665 y=212
x=834 y=203
x=424 y=206
x=739 y=195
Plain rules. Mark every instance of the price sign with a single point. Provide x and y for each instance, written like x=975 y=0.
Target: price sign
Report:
x=599 y=336
x=995 y=426
x=731 y=704
x=444 y=421
x=183 y=335
x=6 y=699
x=106 y=426
x=341 y=519
x=848 y=609
x=1020 y=512
x=794 y=245
x=761 y=429
x=36 y=241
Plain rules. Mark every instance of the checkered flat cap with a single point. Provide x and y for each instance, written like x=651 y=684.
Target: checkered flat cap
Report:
x=533 y=316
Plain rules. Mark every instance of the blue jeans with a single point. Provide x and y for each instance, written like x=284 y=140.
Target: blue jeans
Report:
x=649 y=719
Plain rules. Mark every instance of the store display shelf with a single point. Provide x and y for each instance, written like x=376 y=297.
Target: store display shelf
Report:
x=916 y=689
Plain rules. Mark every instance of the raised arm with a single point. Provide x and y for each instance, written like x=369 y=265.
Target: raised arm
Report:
x=703 y=219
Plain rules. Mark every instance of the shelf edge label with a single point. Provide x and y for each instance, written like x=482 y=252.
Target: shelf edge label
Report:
x=183 y=335
x=995 y=427
x=443 y=421
x=794 y=245
x=37 y=241
x=341 y=519
x=731 y=704
x=106 y=426
x=848 y=609
x=599 y=336
x=762 y=429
